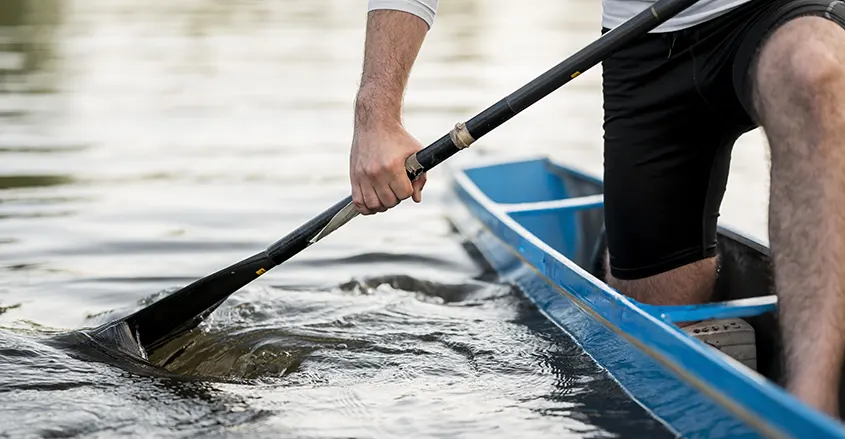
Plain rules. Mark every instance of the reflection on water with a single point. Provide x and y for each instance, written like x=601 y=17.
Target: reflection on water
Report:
x=146 y=144
x=28 y=181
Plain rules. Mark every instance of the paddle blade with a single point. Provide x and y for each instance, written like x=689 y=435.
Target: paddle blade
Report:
x=185 y=309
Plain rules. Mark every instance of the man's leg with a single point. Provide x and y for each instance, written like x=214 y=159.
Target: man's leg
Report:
x=671 y=118
x=692 y=283
x=799 y=93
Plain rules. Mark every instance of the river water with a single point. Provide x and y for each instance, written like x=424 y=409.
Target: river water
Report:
x=145 y=144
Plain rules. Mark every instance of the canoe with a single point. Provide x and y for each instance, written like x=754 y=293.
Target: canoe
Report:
x=539 y=225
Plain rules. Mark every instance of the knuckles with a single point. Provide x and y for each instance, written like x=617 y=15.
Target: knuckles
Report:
x=361 y=206
x=379 y=170
x=405 y=192
x=390 y=167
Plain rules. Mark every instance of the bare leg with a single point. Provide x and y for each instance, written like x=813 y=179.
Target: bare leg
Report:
x=800 y=95
x=690 y=284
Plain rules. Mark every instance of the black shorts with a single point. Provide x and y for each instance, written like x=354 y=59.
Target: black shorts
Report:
x=674 y=105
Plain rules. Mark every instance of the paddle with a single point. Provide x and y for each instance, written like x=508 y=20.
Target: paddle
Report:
x=183 y=310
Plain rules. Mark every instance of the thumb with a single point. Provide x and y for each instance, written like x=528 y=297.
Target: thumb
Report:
x=418 y=187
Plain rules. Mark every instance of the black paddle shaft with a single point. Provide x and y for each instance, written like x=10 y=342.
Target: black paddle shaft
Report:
x=185 y=309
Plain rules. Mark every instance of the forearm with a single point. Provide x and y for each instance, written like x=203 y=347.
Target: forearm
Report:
x=393 y=41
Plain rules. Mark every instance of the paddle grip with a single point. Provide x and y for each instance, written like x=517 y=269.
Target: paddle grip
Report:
x=415 y=166
x=429 y=157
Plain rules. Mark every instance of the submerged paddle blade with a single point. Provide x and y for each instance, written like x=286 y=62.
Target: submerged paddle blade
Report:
x=185 y=309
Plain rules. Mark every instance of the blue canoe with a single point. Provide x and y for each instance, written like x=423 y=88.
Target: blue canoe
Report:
x=539 y=225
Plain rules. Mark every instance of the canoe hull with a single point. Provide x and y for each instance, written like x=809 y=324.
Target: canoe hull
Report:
x=549 y=243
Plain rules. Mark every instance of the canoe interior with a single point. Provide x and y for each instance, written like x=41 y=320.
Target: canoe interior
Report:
x=745 y=265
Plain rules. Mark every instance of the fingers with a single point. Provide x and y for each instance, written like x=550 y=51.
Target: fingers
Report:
x=358 y=199
x=401 y=186
x=386 y=196
x=418 y=185
x=378 y=194
x=371 y=199
x=373 y=194
x=379 y=180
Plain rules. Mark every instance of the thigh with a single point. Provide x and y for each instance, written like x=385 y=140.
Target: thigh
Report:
x=671 y=120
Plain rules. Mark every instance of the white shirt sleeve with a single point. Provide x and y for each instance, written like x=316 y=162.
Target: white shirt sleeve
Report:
x=425 y=9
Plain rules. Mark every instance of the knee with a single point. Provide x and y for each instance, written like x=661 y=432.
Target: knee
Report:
x=803 y=65
x=816 y=71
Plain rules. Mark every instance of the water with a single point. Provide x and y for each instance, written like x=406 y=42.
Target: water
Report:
x=144 y=144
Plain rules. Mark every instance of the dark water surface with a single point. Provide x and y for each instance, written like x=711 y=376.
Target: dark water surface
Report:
x=144 y=144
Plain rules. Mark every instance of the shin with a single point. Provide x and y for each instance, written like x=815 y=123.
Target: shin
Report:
x=800 y=96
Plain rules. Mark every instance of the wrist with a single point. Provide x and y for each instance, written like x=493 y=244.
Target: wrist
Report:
x=375 y=108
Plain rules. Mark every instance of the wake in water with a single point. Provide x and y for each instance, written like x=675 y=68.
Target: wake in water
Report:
x=470 y=355
x=266 y=332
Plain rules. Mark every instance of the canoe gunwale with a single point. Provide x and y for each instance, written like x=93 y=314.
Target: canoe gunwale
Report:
x=737 y=308
x=759 y=403
x=586 y=202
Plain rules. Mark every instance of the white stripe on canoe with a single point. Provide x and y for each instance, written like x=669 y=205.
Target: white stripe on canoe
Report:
x=553 y=204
